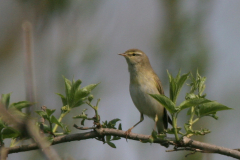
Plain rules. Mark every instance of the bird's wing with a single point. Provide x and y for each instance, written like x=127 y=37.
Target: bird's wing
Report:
x=159 y=85
x=166 y=118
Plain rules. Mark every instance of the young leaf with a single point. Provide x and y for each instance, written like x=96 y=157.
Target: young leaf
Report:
x=120 y=126
x=68 y=86
x=64 y=100
x=172 y=85
x=73 y=91
x=115 y=138
x=182 y=80
x=154 y=134
x=90 y=98
x=108 y=138
x=84 y=92
x=45 y=128
x=111 y=144
x=201 y=85
x=90 y=87
x=50 y=112
x=20 y=105
x=81 y=93
x=211 y=108
x=76 y=84
x=82 y=122
x=10 y=133
x=5 y=99
x=166 y=102
x=80 y=116
x=79 y=102
x=41 y=113
x=114 y=121
x=54 y=120
x=192 y=102
x=176 y=84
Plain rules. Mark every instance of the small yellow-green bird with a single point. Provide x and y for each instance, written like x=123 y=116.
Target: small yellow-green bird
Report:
x=144 y=81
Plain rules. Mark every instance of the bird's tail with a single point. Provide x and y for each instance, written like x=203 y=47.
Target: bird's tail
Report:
x=160 y=126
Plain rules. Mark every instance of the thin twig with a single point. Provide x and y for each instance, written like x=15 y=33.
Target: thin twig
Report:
x=83 y=128
x=30 y=93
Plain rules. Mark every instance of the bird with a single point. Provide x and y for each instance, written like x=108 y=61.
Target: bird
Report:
x=144 y=81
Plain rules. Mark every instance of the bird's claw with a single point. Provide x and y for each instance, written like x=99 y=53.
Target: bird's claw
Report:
x=128 y=132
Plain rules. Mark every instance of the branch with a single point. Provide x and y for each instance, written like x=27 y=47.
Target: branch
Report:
x=28 y=127
x=209 y=148
x=185 y=142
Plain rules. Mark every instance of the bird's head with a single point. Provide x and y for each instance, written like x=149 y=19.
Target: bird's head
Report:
x=135 y=57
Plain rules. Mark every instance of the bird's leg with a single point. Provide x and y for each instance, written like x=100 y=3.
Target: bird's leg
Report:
x=130 y=129
x=155 y=120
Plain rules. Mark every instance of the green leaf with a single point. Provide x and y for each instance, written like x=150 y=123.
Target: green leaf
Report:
x=80 y=116
x=108 y=138
x=73 y=91
x=172 y=85
x=64 y=100
x=10 y=133
x=193 y=102
x=120 y=126
x=90 y=87
x=114 y=121
x=79 y=102
x=50 y=112
x=82 y=122
x=211 y=108
x=115 y=138
x=77 y=84
x=45 y=128
x=84 y=92
x=81 y=93
x=190 y=96
x=201 y=85
x=42 y=114
x=150 y=140
x=189 y=111
x=20 y=105
x=166 y=102
x=180 y=82
x=172 y=131
x=68 y=86
x=90 y=98
x=5 y=99
x=66 y=129
x=83 y=115
x=111 y=144
x=154 y=134
x=65 y=109
x=54 y=120
x=176 y=84
x=2 y=124
x=161 y=136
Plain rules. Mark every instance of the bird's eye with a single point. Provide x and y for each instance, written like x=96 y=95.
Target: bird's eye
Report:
x=134 y=54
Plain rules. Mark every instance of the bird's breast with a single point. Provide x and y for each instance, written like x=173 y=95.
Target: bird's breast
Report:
x=140 y=89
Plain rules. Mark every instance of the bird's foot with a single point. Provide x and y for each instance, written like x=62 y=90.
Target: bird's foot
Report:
x=128 y=132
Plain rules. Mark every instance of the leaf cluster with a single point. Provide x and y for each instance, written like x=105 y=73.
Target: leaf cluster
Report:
x=109 y=138
x=195 y=101
x=6 y=129
x=74 y=97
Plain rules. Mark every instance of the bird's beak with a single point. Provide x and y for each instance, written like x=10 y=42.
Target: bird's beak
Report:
x=122 y=54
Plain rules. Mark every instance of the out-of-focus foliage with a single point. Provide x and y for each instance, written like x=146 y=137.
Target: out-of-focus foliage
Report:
x=181 y=41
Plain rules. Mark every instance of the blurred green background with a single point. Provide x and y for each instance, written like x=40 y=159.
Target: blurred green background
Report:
x=81 y=39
